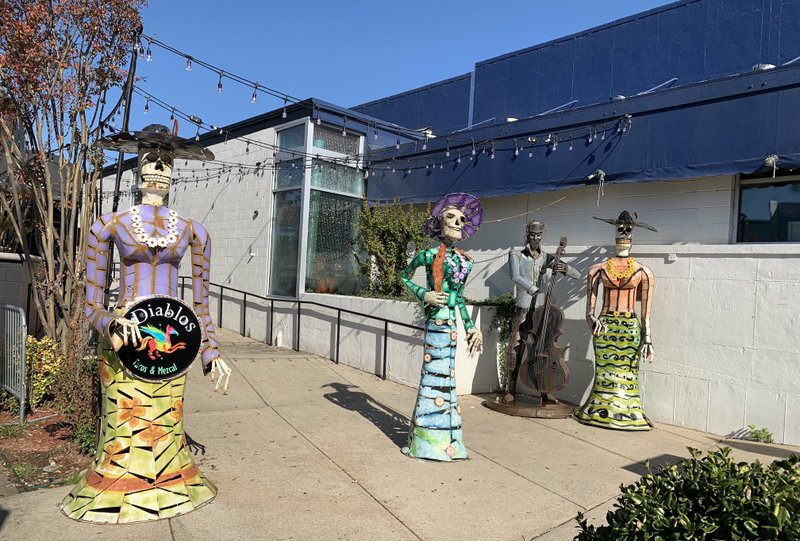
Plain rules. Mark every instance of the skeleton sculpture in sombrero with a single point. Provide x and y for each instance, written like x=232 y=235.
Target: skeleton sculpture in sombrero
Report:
x=142 y=468
x=436 y=422
x=620 y=340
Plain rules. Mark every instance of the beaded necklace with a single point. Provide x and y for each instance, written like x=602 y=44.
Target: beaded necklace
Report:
x=459 y=268
x=627 y=273
x=151 y=241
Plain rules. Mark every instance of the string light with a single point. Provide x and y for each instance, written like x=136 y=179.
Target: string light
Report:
x=254 y=97
x=172 y=115
x=491 y=152
x=219 y=83
x=188 y=63
x=397 y=144
x=570 y=144
x=147 y=107
x=285 y=103
x=149 y=54
x=425 y=143
x=344 y=127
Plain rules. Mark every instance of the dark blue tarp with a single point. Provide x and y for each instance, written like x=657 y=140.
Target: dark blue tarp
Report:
x=725 y=126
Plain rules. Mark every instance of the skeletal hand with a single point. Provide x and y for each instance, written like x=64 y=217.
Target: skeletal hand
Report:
x=221 y=374
x=560 y=267
x=646 y=352
x=124 y=331
x=474 y=341
x=597 y=326
x=435 y=298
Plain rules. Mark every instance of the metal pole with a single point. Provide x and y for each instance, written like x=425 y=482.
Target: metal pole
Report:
x=244 y=315
x=385 y=346
x=271 y=320
x=298 y=326
x=126 y=115
x=219 y=308
x=338 y=332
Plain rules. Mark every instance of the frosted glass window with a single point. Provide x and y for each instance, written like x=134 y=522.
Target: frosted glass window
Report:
x=293 y=138
x=289 y=174
x=336 y=177
x=285 y=243
x=333 y=140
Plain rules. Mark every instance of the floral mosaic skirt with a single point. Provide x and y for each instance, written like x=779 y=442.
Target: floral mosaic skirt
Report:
x=614 y=401
x=142 y=469
x=436 y=423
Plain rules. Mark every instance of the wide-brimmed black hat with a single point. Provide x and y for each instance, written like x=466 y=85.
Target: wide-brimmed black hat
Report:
x=156 y=136
x=626 y=218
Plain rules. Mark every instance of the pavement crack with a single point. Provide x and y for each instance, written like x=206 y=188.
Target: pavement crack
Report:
x=472 y=449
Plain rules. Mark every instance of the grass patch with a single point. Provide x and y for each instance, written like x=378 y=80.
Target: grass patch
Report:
x=11 y=431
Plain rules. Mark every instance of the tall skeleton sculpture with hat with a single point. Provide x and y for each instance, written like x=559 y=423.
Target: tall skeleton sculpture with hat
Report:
x=528 y=269
x=620 y=338
x=143 y=469
x=435 y=432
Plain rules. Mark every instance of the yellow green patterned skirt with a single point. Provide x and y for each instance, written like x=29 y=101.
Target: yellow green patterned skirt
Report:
x=614 y=401
x=142 y=469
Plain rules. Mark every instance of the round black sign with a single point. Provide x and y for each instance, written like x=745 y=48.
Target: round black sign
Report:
x=170 y=339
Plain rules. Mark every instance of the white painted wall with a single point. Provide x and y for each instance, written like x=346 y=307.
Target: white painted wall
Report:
x=723 y=314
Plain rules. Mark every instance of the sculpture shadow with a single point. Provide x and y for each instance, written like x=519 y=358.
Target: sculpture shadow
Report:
x=393 y=424
x=3 y=516
x=656 y=464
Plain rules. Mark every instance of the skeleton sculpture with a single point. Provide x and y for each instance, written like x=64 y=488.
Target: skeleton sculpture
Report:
x=620 y=340
x=142 y=468
x=528 y=269
x=436 y=422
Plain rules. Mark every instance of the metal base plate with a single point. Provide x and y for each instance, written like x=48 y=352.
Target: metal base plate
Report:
x=529 y=406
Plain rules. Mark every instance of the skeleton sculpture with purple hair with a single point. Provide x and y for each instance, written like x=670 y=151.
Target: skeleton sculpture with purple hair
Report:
x=436 y=422
x=142 y=468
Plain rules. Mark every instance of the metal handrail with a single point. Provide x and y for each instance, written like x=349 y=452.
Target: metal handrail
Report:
x=273 y=299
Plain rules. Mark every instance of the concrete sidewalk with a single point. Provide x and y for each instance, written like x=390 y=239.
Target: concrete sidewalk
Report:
x=306 y=449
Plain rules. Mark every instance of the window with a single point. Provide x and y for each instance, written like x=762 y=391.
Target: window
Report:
x=293 y=138
x=331 y=139
x=331 y=266
x=769 y=209
x=289 y=174
x=285 y=243
x=339 y=178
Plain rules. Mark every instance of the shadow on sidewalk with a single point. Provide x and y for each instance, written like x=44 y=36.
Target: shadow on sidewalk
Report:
x=390 y=422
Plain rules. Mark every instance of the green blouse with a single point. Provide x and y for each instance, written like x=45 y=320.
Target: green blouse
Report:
x=455 y=268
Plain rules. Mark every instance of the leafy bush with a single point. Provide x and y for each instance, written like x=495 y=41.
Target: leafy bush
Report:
x=383 y=233
x=44 y=360
x=707 y=498
x=762 y=434
x=85 y=437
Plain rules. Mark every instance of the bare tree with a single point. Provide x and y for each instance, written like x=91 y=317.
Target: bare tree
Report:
x=58 y=61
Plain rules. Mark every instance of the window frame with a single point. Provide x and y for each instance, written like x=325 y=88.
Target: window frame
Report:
x=737 y=203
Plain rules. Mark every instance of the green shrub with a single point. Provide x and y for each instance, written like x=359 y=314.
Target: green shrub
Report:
x=707 y=498
x=44 y=360
x=762 y=435
x=85 y=437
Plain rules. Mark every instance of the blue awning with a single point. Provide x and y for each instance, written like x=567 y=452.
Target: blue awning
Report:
x=724 y=126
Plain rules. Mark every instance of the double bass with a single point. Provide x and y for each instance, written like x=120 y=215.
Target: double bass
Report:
x=547 y=371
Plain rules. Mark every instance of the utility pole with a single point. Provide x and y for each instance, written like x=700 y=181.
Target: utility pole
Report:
x=126 y=114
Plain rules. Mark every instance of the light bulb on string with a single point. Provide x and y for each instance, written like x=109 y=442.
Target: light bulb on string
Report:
x=425 y=143
x=530 y=152
x=285 y=101
x=344 y=127
x=375 y=133
x=197 y=134
x=441 y=165
x=570 y=144
x=254 y=97
x=149 y=54
x=458 y=160
x=603 y=136
x=188 y=63
x=397 y=144
x=219 y=83
x=516 y=148
x=491 y=152
x=447 y=154
x=172 y=115
x=473 y=150
x=147 y=106
x=591 y=135
x=319 y=119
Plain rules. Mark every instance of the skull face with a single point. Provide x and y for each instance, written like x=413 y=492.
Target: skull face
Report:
x=155 y=171
x=624 y=236
x=534 y=235
x=453 y=221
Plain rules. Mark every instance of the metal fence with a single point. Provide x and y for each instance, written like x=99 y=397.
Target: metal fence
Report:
x=13 y=332
x=298 y=314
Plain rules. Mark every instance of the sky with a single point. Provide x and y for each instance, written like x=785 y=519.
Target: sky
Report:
x=345 y=52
